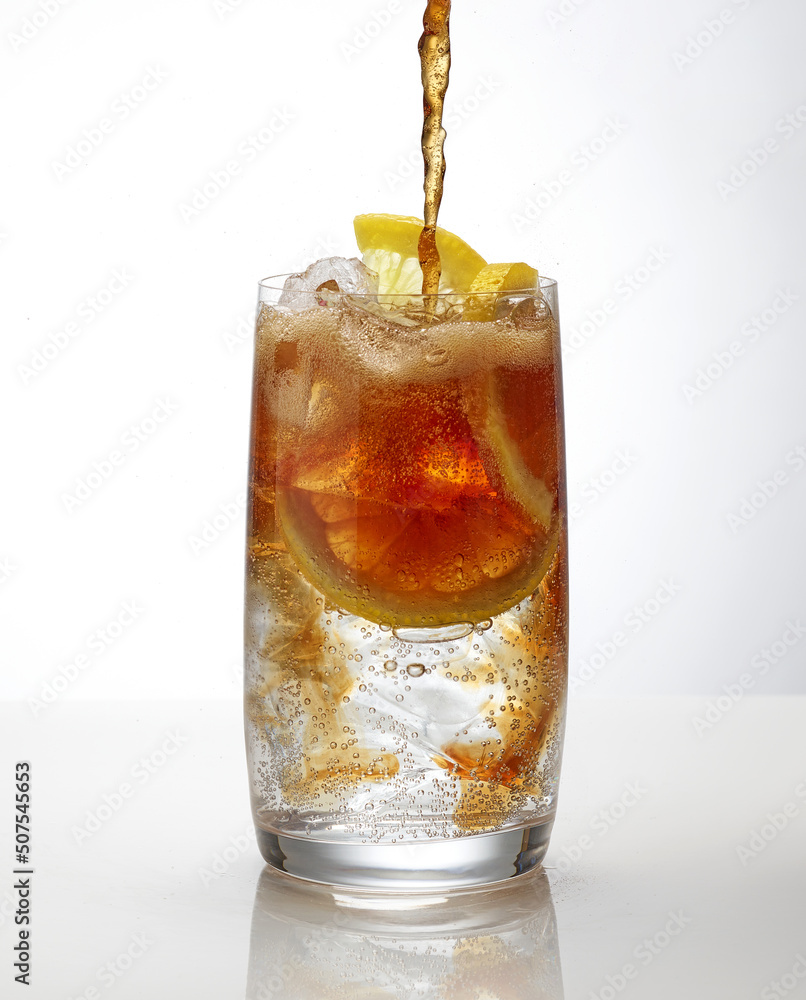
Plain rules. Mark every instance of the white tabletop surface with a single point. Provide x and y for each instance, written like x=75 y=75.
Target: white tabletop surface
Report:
x=677 y=868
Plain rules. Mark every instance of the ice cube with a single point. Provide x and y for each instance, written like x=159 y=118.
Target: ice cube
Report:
x=349 y=274
x=522 y=307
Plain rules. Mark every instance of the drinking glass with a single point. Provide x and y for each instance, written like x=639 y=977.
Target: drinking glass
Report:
x=406 y=585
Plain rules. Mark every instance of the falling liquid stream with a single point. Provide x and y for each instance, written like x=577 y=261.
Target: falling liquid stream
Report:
x=435 y=60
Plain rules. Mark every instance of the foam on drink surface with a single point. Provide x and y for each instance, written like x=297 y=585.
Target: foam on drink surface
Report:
x=351 y=341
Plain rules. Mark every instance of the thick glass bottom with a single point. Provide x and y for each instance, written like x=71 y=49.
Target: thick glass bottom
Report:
x=445 y=864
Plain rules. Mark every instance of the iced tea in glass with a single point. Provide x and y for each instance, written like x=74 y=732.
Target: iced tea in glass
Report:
x=406 y=609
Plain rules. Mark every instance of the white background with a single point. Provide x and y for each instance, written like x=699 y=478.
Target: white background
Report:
x=337 y=85
x=121 y=597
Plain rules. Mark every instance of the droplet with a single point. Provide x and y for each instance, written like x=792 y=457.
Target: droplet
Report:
x=415 y=669
x=390 y=665
x=362 y=687
x=398 y=697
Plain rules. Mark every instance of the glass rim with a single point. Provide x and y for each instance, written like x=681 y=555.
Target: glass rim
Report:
x=275 y=283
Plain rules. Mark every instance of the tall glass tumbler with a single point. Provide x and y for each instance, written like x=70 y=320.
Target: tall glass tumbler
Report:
x=406 y=585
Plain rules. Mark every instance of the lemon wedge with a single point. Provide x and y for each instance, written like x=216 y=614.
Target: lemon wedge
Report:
x=493 y=280
x=388 y=244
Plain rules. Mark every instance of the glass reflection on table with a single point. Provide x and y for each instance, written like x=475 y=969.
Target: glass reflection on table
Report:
x=318 y=942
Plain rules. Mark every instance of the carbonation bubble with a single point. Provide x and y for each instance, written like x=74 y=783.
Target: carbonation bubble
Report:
x=434 y=633
x=437 y=357
x=390 y=665
x=415 y=669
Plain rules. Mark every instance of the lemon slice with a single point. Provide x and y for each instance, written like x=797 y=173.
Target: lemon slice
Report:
x=517 y=444
x=394 y=518
x=491 y=281
x=388 y=244
x=400 y=569
x=530 y=491
x=490 y=424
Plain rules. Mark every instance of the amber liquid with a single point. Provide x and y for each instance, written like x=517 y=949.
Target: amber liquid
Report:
x=435 y=60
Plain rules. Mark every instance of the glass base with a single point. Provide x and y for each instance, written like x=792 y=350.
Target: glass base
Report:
x=445 y=864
